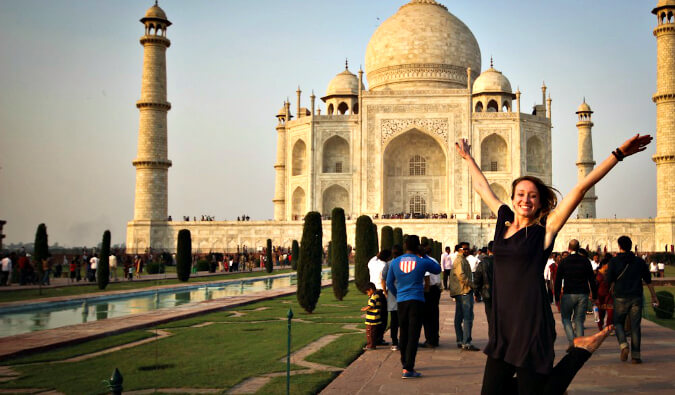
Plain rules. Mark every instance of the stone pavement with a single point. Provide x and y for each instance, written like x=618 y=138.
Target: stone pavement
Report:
x=447 y=370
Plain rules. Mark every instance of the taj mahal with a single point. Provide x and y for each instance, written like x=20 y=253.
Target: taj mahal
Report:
x=385 y=145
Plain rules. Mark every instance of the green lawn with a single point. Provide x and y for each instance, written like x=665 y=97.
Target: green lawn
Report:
x=219 y=355
x=301 y=384
x=29 y=294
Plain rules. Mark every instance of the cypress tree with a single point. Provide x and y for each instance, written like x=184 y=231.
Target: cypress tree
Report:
x=364 y=251
x=339 y=255
x=398 y=237
x=328 y=253
x=295 y=255
x=103 y=268
x=269 y=264
x=184 y=255
x=40 y=249
x=387 y=237
x=309 y=267
x=375 y=243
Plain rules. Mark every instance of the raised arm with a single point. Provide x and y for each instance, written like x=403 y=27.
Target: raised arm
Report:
x=569 y=203
x=478 y=180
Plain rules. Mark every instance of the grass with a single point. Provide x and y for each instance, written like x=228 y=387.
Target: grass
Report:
x=219 y=355
x=75 y=290
x=300 y=384
x=648 y=310
x=66 y=352
x=332 y=354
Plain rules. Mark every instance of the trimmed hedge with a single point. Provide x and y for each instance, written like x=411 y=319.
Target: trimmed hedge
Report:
x=666 y=305
x=364 y=251
x=103 y=268
x=339 y=255
x=184 y=255
x=309 y=267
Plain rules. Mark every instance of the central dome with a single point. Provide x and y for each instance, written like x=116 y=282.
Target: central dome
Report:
x=422 y=46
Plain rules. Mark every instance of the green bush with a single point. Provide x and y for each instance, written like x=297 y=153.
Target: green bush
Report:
x=398 y=237
x=387 y=237
x=269 y=263
x=309 y=267
x=40 y=249
x=153 y=267
x=103 y=268
x=184 y=255
x=339 y=254
x=364 y=251
x=295 y=255
x=666 y=305
x=204 y=265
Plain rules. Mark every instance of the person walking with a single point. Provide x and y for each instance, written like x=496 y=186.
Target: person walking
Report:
x=605 y=300
x=392 y=304
x=483 y=283
x=432 y=298
x=405 y=280
x=577 y=274
x=626 y=273
x=461 y=289
x=524 y=327
x=446 y=264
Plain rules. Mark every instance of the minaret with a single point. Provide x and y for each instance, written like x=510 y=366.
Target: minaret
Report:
x=152 y=163
x=585 y=162
x=665 y=123
x=279 y=200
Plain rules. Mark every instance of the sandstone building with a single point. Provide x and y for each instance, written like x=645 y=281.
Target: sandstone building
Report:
x=385 y=146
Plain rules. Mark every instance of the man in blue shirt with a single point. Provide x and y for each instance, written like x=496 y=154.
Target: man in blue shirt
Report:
x=405 y=280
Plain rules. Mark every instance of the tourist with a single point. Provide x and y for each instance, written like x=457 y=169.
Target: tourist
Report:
x=547 y=277
x=373 y=319
x=662 y=269
x=605 y=301
x=461 y=289
x=112 y=260
x=6 y=273
x=392 y=304
x=72 y=270
x=524 y=328
x=405 y=280
x=138 y=266
x=375 y=266
x=577 y=273
x=46 y=270
x=653 y=269
x=93 y=266
x=432 y=298
x=446 y=264
x=483 y=283
x=626 y=273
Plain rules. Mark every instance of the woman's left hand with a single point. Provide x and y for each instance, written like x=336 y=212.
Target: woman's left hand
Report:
x=635 y=144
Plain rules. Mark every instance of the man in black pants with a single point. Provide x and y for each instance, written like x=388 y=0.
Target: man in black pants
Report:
x=482 y=282
x=432 y=297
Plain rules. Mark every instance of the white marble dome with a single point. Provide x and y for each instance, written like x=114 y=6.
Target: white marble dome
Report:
x=345 y=83
x=422 y=46
x=584 y=107
x=492 y=81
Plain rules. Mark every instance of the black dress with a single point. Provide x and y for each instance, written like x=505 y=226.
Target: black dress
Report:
x=523 y=324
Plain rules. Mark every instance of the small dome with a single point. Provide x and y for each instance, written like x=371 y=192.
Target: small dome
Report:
x=663 y=4
x=584 y=108
x=421 y=46
x=491 y=80
x=155 y=13
x=343 y=84
x=282 y=111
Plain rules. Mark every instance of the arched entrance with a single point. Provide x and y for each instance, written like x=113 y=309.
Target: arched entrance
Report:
x=414 y=172
x=298 y=206
x=335 y=196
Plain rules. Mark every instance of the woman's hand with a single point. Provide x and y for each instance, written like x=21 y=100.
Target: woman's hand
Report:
x=635 y=144
x=463 y=149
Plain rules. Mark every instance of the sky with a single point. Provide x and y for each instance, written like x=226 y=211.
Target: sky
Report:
x=70 y=74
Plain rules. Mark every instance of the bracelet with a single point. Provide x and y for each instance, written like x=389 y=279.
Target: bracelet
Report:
x=618 y=154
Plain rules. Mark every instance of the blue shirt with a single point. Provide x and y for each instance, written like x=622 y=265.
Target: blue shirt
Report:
x=405 y=279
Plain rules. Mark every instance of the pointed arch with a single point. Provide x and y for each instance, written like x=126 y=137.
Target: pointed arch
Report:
x=331 y=109
x=494 y=154
x=298 y=207
x=535 y=155
x=335 y=196
x=479 y=107
x=492 y=106
x=343 y=108
x=336 y=155
x=299 y=158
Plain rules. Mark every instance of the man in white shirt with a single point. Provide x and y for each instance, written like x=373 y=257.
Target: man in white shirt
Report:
x=548 y=278
x=6 y=274
x=375 y=266
x=93 y=265
x=473 y=261
x=446 y=265
x=112 y=262
x=595 y=262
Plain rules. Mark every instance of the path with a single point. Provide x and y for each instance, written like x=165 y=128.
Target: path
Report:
x=446 y=370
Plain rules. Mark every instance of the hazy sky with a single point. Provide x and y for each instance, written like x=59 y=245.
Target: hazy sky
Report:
x=70 y=74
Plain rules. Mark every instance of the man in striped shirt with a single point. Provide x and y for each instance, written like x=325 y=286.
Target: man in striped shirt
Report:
x=373 y=319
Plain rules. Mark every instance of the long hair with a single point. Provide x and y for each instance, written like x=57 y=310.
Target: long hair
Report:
x=547 y=195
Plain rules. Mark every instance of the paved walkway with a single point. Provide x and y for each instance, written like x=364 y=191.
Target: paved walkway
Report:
x=446 y=370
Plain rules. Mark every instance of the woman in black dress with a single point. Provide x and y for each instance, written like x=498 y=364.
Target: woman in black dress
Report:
x=523 y=333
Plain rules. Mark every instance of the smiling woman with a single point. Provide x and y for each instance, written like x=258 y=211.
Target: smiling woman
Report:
x=521 y=341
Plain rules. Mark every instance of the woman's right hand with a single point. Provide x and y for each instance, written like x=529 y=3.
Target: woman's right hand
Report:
x=635 y=144
x=463 y=148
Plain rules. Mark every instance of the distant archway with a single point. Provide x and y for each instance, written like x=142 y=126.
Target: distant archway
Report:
x=492 y=106
x=336 y=155
x=298 y=208
x=494 y=154
x=335 y=196
x=299 y=158
x=343 y=108
x=535 y=155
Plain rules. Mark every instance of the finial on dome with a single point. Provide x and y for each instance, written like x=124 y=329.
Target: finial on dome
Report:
x=346 y=64
x=492 y=64
x=156 y=5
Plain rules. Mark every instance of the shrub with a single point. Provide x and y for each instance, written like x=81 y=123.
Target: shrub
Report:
x=339 y=254
x=103 y=268
x=309 y=267
x=204 y=265
x=398 y=237
x=153 y=267
x=666 y=305
x=295 y=255
x=375 y=246
x=364 y=251
x=41 y=248
x=387 y=237
x=184 y=255
x=269 y=263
